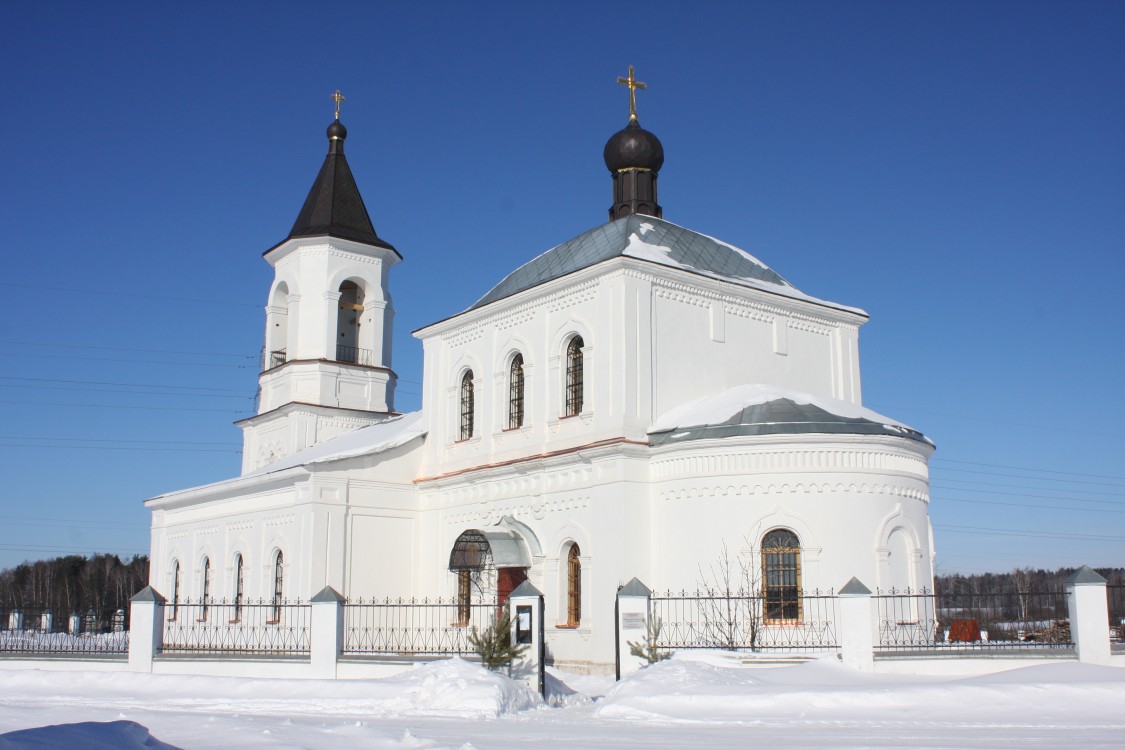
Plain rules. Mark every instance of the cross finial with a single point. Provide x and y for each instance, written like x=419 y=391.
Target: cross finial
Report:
x=337 y=97
x=633 y=85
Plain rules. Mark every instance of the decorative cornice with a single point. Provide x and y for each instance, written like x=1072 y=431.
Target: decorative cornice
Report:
x=487 y=514
x=795 y=488
x=779 y=460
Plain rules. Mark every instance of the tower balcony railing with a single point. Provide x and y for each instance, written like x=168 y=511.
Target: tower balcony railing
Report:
x=353 y=355
x=272 y=359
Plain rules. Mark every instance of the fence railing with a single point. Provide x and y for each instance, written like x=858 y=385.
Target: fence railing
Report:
x=40 y=631
x=1115 y=602
x=353 y=354
x=910 y=621
x=423 y=627
x=263 y=626
x=734 y=621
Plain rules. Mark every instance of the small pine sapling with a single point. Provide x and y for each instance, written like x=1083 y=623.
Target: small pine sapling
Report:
x=494 y=644
x=647 y=649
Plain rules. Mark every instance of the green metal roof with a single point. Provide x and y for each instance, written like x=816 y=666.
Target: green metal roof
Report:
x=654 y=240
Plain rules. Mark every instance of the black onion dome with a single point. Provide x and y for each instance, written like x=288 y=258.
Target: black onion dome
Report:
x=337 y=131
x=633 y=147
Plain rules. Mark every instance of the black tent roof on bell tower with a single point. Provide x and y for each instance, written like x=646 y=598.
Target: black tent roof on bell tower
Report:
x=334 y=207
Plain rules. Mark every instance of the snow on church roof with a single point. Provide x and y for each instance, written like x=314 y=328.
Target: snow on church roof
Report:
x=365 y=441
x=756 y=409
x=657 y=241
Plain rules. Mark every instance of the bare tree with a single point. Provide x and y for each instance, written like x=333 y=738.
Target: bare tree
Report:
x=730 y=602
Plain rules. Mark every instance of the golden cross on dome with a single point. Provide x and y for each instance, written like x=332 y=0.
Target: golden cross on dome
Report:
x=337 y=97
x=633 y=85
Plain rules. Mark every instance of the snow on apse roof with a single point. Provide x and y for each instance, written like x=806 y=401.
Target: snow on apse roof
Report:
x=756 y=409
x=657 y=241
x=365 y=441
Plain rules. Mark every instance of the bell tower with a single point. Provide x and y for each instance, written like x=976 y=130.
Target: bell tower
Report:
x=326 y=365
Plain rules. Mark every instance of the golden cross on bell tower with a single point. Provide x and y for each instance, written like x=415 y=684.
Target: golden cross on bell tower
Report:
x=633 y=85
x=337 y=97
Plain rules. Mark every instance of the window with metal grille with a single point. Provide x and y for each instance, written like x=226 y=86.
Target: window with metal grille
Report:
x=238 y=587
x=781 y=575
x=464 y=597
x=278 y=585
x=574 y=377
x=467 y=405
x=515 y=393
x=573 y=586
x=204 y=600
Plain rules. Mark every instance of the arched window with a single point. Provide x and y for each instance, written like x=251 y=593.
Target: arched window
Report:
x=205 y=588
x=238 y=587
x=573 y=586
x=781 y=576
x=515 y=393
x=471 y=560
x=467 y=405
x=278 y=585
x=574 y=377
x=175 y=589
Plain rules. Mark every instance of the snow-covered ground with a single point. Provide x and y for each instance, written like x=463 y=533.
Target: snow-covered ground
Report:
x=703 y=700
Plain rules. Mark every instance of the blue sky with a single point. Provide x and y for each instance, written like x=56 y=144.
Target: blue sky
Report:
x=957 y=169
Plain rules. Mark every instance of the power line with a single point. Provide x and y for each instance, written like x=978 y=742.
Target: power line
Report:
x=128 y=361
x=1053 y=428
x=64 y=522
x=1035 y=479
x=114 y=406
x=113 y=440
x=1029 y=533
x=127 y=349
x=121 y=390
x=1025 y=468
x=1032 y=487
x=119 y=448
x=130 y=294
x=1030 y=507
x=1038 y=497
x=109 y=382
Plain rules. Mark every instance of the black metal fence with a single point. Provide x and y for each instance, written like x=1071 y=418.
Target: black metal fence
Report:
x=1115 y=601
x=422 y=627
x=263 y=627
x=912 y=621
x=737 y=621
x=354 y=355
x=33 y=630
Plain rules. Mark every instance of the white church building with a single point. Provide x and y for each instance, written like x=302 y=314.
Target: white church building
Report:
x=629 y=403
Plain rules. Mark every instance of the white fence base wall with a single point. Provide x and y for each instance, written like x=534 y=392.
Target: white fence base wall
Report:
x=962 y=666
x=66 y=664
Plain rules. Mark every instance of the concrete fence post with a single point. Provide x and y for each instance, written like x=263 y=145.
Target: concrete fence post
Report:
x=146 y=628
x=326 y=634
x=525 y=608
x=857 y=640
x=1089 y=615
x=633 y=624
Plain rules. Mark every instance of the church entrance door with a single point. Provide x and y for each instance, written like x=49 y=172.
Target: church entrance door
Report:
x=507 y=579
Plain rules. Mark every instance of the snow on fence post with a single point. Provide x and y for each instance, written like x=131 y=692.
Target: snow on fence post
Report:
x=146 y=628
x=525 y=606
x=1089 y=615
x=857 y=639
x=326 y=638
x=633 y=624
